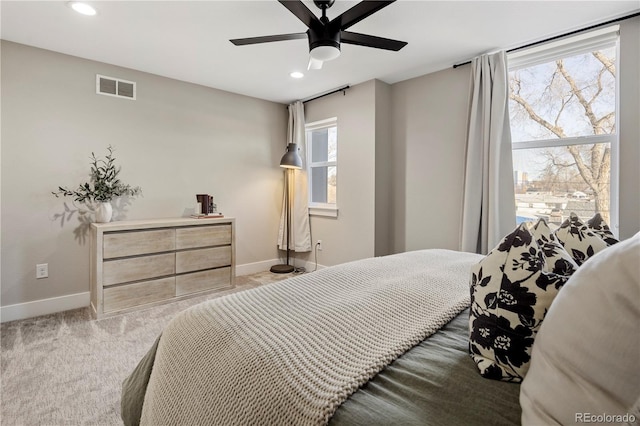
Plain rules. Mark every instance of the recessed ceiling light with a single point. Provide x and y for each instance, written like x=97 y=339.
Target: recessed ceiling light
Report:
x=82 y=8
x=296 y=74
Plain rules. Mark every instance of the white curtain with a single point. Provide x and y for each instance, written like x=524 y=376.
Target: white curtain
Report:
x=300 y=232
x=489 y=202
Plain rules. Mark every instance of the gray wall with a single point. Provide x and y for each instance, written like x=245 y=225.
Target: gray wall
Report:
x=362 y=228
x=429 y=137
x=177 y=139
x=384 y=171
x=351 y=235
x=629 y=214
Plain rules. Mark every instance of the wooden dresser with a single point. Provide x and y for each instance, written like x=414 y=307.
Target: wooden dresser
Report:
x=143 y=263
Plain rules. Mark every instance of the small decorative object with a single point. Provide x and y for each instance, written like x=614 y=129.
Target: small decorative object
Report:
x=205 y=207
x=203 y=199
x=102 y=187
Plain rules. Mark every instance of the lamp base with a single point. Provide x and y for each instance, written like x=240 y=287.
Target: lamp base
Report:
x=282 y=269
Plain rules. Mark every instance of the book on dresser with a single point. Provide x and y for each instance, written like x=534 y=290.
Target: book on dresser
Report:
x=207 y=216
x=144 y=263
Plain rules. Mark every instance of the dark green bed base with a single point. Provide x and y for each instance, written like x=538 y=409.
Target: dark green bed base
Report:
x=435 y=383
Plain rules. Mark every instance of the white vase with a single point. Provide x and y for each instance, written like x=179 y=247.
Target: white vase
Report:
x=104 y=211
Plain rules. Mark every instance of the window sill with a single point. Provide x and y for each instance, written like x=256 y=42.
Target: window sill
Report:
x=323 y=211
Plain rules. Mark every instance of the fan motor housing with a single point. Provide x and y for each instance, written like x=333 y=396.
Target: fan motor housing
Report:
x=324 y=4
x=324 y=36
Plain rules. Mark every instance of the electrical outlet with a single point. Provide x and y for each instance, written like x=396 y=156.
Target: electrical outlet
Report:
x=319 y=245
x=42 y=270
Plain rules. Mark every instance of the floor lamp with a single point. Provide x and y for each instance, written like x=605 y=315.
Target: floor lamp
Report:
x=290 y=160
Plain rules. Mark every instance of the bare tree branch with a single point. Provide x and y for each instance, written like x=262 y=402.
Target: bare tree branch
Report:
x=605 y=119
x=598 y=85
x=558 y=131
x=608 y=63
x=580 y=95
x=565 y=102
x=584 y=170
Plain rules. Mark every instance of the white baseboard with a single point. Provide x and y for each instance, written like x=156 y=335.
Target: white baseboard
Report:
x=253 y=268
x=36 y=308
x=43 y=307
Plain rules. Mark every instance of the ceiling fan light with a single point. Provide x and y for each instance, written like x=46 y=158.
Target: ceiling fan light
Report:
x=82 y=8
x=324 y=53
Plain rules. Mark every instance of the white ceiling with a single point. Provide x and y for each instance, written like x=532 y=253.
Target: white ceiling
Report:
x=189 y=40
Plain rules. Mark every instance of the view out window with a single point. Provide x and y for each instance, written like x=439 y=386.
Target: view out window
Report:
x=322 y=160
x=562 y=106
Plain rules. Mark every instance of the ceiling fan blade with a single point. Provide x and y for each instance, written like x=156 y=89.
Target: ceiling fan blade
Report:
x=268 y=39
x=371 y=41
x=314 y=64
x=358 y=12
x=301 y=11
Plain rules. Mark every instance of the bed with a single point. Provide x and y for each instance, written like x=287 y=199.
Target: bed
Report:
x=291 y=352
x=388 y=341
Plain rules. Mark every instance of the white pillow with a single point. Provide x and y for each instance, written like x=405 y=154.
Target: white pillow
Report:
x=586 y=357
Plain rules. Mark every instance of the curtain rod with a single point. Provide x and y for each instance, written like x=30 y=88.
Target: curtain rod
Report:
x=613 y=21
x=342 y=89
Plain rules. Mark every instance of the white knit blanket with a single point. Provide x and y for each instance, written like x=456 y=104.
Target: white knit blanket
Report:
x=290 y=353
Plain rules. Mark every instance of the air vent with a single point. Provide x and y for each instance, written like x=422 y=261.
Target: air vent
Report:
x=111 y=86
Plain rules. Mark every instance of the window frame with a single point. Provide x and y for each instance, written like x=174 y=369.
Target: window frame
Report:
x=315 y=208
x=583 y=43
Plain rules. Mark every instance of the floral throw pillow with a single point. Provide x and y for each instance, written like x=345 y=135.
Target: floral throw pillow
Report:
x=599 y=227
x=558 y=260
x=511 y=291
x=581 y=241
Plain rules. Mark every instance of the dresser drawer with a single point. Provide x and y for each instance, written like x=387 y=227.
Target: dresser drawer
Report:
x=203 y=236
x=203 y=280
x=130 y=295
x=195 y=260
x=120 y=244
x=138 y=268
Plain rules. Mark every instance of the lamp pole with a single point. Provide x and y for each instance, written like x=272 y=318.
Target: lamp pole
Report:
x=287 y=175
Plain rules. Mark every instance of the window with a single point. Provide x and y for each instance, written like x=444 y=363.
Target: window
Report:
x=562 y=108
x=322 y=155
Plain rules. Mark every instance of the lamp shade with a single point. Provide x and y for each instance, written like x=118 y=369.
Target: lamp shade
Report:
x=291 y=159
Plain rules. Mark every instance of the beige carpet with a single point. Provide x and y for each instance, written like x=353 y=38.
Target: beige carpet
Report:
x=67 y=369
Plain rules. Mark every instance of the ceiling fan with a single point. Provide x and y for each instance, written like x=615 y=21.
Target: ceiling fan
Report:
x=325 y=35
